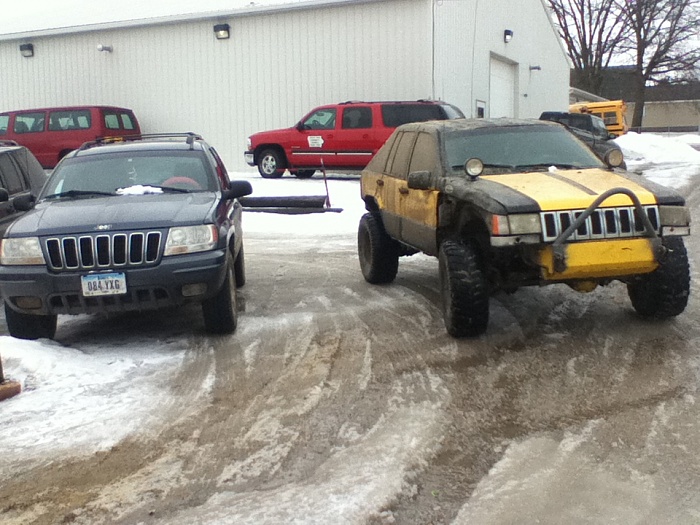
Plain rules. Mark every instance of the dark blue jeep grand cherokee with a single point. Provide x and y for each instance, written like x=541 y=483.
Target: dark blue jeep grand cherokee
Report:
x=141 y=223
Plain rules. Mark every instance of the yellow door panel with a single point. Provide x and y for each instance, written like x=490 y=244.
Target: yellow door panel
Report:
x=600 y=259
x=572 y=189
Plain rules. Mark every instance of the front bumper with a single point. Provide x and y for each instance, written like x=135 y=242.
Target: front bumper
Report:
x=249 y=158
x=148 y=288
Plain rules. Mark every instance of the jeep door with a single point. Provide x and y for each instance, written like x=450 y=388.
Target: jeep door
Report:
x=418 y=208
x=411 y=214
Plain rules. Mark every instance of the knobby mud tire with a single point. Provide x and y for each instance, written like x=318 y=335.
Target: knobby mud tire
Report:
x=664 y=292
x=377 y=251
x=464 y=290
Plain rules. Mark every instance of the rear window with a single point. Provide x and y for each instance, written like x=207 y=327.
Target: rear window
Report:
x=396 y=114
x=127 y=121
x=69 y=120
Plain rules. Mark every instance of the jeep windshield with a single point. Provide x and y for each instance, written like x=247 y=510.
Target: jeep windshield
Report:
x=130 y=173
x=513 y=149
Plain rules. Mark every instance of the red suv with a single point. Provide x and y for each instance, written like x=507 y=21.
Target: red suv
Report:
x=50 y=133
x=341 y=136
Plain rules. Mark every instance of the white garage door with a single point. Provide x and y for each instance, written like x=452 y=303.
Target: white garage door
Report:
x=502 y=89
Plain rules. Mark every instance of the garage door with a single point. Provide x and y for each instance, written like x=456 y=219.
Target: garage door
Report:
x=502 y=89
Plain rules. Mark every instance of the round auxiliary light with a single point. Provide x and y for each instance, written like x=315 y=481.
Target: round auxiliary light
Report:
x=614 y=158
x=474 y=167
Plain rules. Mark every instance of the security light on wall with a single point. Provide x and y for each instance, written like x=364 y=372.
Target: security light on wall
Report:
x=222 y=31
x=105 y=48
x=507 y=35
x=27 y=50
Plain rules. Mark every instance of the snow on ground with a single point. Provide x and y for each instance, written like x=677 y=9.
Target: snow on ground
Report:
x=75 y=400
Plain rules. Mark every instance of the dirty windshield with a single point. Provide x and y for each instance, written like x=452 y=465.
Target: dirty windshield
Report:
x=129 y=173
x=509 y=149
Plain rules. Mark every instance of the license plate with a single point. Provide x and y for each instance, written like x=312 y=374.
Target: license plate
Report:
x=103 y=284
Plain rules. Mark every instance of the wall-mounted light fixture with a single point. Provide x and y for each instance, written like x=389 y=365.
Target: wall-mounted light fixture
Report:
x=507 y=35
x=105 y=48
x=27 y=50
x=535 y=68
x=222 y=31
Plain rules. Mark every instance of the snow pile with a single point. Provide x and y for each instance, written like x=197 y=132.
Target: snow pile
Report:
x=671 y=161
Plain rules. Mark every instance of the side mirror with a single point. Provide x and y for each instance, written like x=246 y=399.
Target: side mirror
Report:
x=4 y=195
x=420 y=180
x=237 y=189
x=22 y=202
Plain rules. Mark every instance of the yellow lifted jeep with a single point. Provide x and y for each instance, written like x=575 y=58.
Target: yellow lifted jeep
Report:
x=506 y=203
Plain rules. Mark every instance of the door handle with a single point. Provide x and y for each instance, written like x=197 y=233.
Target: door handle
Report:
x=403 y=190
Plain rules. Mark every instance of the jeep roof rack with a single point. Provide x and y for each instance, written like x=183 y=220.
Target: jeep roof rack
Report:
x=189 y=137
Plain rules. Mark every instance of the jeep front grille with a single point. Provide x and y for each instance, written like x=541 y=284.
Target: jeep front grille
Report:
x=115 y=250
x=603 y=223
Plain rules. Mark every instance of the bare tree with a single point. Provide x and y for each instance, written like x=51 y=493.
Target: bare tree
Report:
x=592 y=31
x=663 y=39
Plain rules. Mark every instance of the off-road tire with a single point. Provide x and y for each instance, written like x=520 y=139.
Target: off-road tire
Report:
x=664 y=292
x=27 y=326
x=464 y=290
x=304 y=174
x=239 y=268
x=221 y=311
x=271 y=164
x=378 y=253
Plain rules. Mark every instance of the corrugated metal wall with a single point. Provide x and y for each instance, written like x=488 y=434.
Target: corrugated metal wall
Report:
x=469 y=37
x=273 y=69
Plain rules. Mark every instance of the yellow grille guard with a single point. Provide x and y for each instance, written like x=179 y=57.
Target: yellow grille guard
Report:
x=559 y=246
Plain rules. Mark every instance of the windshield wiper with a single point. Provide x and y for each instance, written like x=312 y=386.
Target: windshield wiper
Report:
x=80 y=193
x=487 y=165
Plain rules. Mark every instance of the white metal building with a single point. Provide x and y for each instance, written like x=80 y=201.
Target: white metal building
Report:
x=490 y=58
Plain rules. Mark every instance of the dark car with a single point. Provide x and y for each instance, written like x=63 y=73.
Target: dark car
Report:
x=342 y=136
x=20 y=175
x=589 y=128
x=507 y=203
x=136 y=224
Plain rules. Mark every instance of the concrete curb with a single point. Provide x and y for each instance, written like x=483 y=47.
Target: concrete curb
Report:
x=9 y=389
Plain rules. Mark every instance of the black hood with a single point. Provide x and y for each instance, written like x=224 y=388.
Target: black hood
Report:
x=115 y=213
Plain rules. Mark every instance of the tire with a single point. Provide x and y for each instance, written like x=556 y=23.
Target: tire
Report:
x=464 y=290
x=304 y=174
x=221 y=311
x=664 y=292
x=378 y=253
x=239 y=268
x=271 y=165
x=27 y=326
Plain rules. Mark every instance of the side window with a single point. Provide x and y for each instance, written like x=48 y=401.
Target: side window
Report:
x=357 y=118
x=4 y=122
x=399 y=164
x=11 y=177
x=424 y=156
x=29 y=122
x=111 y=121
x=321 y=119
x=127 y=121
x=68 y=120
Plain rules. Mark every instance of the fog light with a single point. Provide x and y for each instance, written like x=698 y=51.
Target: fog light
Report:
x=190 y=290
x=28 y=303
